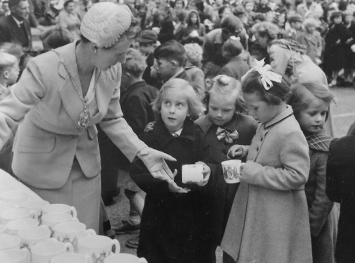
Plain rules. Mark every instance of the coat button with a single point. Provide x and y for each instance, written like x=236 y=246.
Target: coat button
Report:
x=257 y=149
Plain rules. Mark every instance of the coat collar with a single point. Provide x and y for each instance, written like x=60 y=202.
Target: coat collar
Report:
x=71 y=101
x=283 y=115
x=164 y=136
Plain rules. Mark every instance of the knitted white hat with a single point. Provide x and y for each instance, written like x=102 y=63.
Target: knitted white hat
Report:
x=105 y=23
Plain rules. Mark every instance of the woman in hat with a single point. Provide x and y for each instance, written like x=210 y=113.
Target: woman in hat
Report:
x=336 y=40
x=59 y=98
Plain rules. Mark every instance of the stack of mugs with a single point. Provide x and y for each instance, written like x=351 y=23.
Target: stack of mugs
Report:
x=34 y=231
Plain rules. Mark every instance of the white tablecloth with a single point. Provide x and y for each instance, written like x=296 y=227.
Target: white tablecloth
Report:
x=9 y=183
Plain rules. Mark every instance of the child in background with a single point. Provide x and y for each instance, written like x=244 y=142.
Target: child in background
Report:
x=223 y=126
x=310 y=103
x=236 y=66
x=9 y=71
x=175 y=220
x=269 y=219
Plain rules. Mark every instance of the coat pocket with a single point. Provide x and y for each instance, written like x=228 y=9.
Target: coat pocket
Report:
x=33 y=144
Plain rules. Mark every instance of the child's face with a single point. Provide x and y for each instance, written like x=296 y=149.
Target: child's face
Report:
x=296 y=25
x=194 y=18
x=146 y=48
x=337 y=20
x=221 y=108
x=312 y=118
x=165 y=68
x=249 y=7
x=174 y=109
x=259 y=109
x=13 y=74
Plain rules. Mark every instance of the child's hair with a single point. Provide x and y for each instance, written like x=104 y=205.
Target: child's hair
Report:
x=135 y=62
x=193 y=53
x=6 y=61
x=181 y=16
x=300 y=99
x=193 y=101
x=171 y=50
x=277 y=94
x=225 y=85
x=233 y=47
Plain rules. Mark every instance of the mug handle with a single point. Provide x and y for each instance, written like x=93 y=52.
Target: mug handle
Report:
x=73 y=212
x=68 y=247
x=74 y=219
x=28 y=254
x=90 y=232
x=117 y=246
x=142 y=260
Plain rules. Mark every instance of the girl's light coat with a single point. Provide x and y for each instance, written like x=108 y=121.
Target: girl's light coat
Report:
x=269 y=220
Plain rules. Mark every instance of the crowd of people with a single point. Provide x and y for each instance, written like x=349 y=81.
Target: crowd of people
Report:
x=136 y=89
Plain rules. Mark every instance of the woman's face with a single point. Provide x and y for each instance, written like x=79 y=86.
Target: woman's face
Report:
x=106 y=58
x=261 y=41
x=178 y=5
x=226 y=12
x=70 y=7
x=194 y=18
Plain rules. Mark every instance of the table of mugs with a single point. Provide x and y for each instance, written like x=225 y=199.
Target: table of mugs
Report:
x=35 y=231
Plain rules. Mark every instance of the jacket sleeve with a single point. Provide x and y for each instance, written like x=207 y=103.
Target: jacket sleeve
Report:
x=333 y=186
x=293 y=175
x=321 y=206
x=25 y=94
x=117 y=129
x=279 y=59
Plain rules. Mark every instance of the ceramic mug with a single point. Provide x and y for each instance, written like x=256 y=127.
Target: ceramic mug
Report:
x=35 y=205
x=124 y=258
x=14 y=197
x=15 y=256
x=71 y=258
x=9 y=242
x=16 y=213
x=44 y=251
x=71 y=231
x=52 y=220
x=98 y=247
x=14 y=226
x=32 y=235
x=231 y=171
x=59 y=208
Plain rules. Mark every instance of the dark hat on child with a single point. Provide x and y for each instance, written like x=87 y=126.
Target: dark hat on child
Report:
x=335 y=14
x=239 y=11
x=295 y=18
x=147 y=36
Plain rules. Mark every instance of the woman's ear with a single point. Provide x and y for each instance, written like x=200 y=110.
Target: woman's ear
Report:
x=5 y=74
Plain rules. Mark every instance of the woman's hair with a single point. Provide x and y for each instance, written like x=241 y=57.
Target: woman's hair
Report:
x=300 y=99
x=233 y=47
x=135 y=62
x=66 y=3
x=6 y=61
x=188 y=20
x=277 y=94
x=225 y=85
x=193 y=53
x=311 y=22
x=267 y=29
x=193 y=101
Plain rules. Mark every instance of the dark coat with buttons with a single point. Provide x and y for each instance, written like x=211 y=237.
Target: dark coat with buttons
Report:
x=340 y=188
x=269 y=219
x=174 y=227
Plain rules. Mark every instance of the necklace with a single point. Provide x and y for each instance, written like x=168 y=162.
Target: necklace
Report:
x=84 y=117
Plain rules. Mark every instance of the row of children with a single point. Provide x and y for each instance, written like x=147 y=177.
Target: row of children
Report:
x=280 y=213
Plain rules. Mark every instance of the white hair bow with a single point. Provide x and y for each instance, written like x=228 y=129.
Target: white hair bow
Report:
x=235 y=38
x=267 y=76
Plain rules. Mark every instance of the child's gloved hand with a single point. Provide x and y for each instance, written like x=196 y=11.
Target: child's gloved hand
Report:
x=174 y=188
x=206 y=174
x=235 y=151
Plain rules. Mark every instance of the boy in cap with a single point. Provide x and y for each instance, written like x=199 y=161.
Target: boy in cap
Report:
x=147 y=41
x=295 y=29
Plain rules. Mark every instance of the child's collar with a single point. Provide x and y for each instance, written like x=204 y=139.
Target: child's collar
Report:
x=281 y=116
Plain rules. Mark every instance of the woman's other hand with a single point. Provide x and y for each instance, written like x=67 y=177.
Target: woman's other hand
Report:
x=174 y=188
